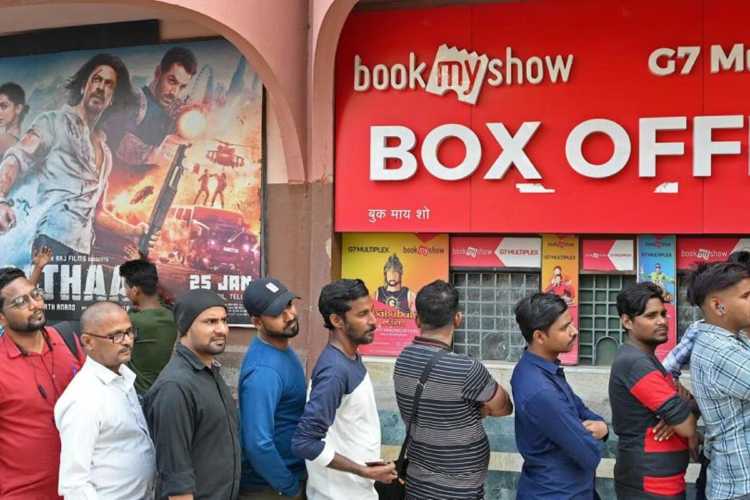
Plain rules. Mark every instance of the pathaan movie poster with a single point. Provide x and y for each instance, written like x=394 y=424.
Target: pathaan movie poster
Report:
x=152 y=151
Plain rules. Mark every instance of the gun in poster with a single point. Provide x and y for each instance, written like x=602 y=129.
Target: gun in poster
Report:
x=165 y=199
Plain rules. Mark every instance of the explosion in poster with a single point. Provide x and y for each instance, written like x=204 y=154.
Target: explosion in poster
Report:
x=154 y=150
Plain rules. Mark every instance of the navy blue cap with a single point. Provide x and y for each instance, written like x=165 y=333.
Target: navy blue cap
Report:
x=266 y=297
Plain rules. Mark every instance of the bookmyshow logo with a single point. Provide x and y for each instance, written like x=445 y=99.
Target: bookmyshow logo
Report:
x=462 y=72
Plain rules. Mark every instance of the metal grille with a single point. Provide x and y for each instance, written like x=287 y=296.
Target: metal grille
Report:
x=600 y=333
x=686 y=313
x=489 y=330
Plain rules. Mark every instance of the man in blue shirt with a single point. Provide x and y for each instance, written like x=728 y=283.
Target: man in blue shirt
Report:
x=272 y=396
x=558 y=437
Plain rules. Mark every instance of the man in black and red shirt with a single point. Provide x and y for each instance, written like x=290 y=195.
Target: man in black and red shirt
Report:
x=650 y=464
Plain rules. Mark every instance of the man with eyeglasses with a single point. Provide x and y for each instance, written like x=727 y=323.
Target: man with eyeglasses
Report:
x=35 y=368
x=106 y=448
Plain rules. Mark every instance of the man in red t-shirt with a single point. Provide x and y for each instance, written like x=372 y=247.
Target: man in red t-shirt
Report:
x=35 y=368
x=650 y=464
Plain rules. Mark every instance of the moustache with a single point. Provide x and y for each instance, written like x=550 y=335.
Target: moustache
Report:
x=125 y=350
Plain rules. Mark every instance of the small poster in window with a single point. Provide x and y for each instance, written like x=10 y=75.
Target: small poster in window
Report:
x=394 y=266
x=560 y=276
x=657 y=262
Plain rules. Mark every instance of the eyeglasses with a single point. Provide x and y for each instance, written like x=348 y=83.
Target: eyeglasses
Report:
x=116 y=337
x=22 y=301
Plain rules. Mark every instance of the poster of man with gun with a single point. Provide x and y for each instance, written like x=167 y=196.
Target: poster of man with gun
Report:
x=186 y=119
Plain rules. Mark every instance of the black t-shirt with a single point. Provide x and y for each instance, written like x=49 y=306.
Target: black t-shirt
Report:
x=641 y=393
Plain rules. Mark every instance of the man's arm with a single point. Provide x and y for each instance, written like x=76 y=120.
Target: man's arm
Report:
x=480 y=387
x=23 y=151
x=650 y=387
x=499 y=405
x=320 y=412
x=77 y=423
x=559 y=424
x=260 y=393
x=679 y=356
x=170 y=413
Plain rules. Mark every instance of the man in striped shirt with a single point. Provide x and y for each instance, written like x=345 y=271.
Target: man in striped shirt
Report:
x=449 y=452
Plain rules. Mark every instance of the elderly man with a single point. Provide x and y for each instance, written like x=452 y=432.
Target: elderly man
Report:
x=106 y=448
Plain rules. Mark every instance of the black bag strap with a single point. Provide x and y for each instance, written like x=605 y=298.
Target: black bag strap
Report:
x=415 y=410
x=67 y=330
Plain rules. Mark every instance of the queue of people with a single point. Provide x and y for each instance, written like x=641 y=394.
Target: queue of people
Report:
x=137 y=407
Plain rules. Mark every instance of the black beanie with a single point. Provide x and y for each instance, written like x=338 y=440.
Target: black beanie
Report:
x=189 y=306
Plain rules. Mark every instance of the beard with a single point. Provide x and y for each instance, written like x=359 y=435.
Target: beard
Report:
x=363 y=339
x=290 y=331
x=31 y=325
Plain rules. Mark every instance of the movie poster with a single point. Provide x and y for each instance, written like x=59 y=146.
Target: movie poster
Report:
x=394 y=266
x=147 y=150
x=657 y=262
x=560 y=276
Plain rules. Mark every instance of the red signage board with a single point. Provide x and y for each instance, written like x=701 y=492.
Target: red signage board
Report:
x=608 y=255
x=533 y=117
x=496 y=252
x=692 y=251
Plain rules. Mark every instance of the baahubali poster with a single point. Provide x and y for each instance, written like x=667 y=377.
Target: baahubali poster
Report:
x=147 y=151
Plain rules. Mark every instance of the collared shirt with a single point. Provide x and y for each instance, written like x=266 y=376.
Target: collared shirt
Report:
x=449 y=451
x=679 y=356
x=560 y=455
x=642 y=393
x=70 y=182
x=720 y=371
x=194 y=425
x=107 y=453
x=29 y=442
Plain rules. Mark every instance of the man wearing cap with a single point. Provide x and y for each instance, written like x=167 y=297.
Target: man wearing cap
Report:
x=190 y=410
x=272 y=395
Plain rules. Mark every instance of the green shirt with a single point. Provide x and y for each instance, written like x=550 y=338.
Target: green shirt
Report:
x=157 y=334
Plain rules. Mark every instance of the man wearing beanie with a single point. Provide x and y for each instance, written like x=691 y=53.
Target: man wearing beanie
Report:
x=190 y=410
x=272 y=396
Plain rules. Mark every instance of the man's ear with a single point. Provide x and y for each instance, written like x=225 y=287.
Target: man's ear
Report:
x=336 y=320
x=418 y=321
x=87 y=343
x=256 y=322
x=458 y=318
x=627 y=322
x=539 y=337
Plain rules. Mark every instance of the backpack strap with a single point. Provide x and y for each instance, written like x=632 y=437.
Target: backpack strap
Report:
x=68 y=331
x=417 y=397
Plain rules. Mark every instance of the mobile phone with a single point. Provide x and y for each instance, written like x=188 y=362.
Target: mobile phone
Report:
x=375 y=463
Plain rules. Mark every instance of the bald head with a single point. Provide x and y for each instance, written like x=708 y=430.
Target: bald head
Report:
x=107 y=334
x=97 y=315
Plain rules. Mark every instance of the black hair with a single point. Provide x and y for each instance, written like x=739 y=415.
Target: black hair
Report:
x=709 y=278
x=336 y=298
x=141 y=273
x=123 y=94
x=437 y=304
x=15 y=94
x=632 y=300
x=179 y=55
x=740 y=257
x=8 y=275
x=538 y=312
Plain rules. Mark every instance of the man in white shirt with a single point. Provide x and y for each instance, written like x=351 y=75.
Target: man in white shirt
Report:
x=107 y=453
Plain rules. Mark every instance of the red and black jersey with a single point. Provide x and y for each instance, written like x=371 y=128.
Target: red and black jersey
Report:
x=641 y=392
